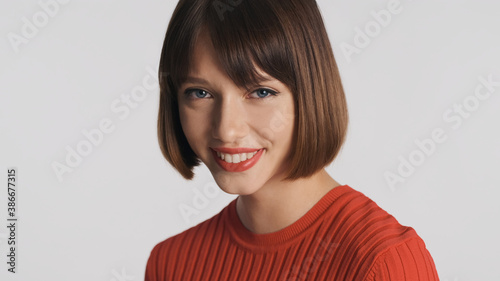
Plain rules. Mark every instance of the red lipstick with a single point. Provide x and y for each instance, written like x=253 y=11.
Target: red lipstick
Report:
x=236 y=150
x=237 y=167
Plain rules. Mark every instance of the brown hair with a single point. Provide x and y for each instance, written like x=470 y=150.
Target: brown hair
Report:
x=287 y=39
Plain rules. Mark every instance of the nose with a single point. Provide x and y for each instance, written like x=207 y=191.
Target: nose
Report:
x=229 y=120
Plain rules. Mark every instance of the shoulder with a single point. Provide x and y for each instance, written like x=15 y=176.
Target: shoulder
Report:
x=174 y=251
x=407 y=261
x=376 y=245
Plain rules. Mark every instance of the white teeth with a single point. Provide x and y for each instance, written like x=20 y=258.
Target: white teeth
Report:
x=235 y=158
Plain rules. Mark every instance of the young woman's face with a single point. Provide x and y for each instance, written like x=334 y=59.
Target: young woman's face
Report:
x=217 y=115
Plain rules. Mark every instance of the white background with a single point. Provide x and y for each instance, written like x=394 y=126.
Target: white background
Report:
x=102 y=220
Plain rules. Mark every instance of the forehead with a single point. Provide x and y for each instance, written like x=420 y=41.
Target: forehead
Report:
x=203 y=55
x=204 y=59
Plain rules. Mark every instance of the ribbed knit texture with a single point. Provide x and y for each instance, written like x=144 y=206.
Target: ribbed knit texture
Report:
x=345 y=236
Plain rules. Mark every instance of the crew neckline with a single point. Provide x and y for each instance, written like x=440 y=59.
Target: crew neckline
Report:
x=286 y=236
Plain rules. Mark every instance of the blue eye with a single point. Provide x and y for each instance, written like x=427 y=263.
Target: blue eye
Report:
x=199 y=94
x=264 y=93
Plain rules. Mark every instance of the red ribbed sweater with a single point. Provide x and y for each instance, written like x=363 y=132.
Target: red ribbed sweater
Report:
x=345 y=236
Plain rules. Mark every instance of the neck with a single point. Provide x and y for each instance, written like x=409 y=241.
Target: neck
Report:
x=275 y=207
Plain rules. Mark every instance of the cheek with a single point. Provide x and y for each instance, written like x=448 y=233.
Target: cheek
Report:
x=274 y=124
x=194 y=125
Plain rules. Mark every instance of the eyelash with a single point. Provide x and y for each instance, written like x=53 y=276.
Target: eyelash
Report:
x=271 y=93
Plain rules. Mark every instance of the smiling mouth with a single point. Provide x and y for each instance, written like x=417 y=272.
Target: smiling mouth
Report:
x=236 y=158
x=237 y=162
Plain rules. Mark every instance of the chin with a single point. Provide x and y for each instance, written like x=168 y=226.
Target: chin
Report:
x=236 y=188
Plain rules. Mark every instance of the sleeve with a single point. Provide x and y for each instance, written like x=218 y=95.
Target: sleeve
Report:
x=152 y=265
x=408 y=261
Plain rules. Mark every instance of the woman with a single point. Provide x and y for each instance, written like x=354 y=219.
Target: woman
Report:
x=251 y=89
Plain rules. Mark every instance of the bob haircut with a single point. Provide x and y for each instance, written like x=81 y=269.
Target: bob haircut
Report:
x=287 y=39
